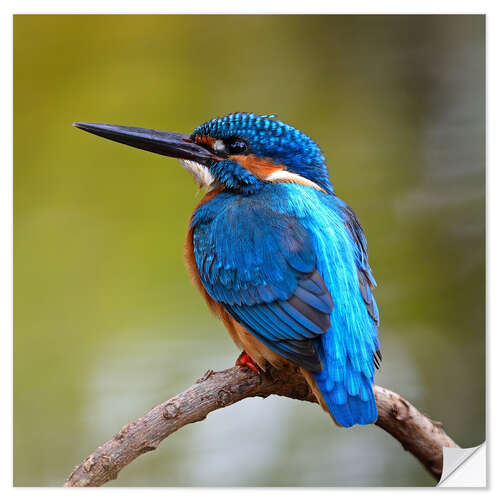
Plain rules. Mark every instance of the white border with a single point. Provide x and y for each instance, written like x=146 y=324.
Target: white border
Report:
x=257 y=7
x=254 y=7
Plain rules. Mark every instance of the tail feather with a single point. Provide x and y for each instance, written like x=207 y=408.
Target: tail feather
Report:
x=351 y=409
x=346 y=407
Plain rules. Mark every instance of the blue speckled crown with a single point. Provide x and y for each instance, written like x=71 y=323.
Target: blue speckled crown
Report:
x=270 y=138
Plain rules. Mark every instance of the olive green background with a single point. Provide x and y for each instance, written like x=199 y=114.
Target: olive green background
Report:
x=106 y=321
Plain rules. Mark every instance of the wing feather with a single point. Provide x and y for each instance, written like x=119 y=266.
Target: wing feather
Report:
x=365 y=276
x=266 y=279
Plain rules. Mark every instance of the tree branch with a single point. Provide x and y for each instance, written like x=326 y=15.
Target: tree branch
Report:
x=416 y=432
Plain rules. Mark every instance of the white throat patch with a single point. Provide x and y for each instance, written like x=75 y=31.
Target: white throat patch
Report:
x=200 y=173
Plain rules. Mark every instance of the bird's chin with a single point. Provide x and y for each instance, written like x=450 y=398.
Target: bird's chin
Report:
x=201 y=174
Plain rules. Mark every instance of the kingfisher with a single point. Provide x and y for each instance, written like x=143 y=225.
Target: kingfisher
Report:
x=277 y=256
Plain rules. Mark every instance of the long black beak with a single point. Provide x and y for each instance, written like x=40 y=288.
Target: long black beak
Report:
x=164 y=143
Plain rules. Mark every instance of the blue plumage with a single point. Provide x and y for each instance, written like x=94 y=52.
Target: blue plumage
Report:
x=269 y=138
x=277 y=253
x=289 y=261
x=291 y=241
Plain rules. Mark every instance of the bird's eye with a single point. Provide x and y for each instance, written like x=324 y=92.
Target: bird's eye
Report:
x=235 y=146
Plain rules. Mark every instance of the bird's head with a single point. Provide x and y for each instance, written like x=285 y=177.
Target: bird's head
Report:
x=240 y=152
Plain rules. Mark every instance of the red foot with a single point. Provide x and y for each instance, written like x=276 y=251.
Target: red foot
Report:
x=245 y=360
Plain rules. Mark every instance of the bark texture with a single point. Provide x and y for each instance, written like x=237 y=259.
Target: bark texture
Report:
x=416 y=432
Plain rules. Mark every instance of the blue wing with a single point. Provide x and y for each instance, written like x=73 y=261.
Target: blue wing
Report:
x=261 y=266
x=277 y=264
x=349 y=349
x=365 y=277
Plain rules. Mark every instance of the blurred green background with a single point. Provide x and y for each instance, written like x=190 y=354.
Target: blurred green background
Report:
x=107 y=323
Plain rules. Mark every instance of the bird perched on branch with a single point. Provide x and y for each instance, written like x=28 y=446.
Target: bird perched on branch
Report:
x=277 y=255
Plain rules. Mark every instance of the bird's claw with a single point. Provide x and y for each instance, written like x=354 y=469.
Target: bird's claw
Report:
x=245 y=360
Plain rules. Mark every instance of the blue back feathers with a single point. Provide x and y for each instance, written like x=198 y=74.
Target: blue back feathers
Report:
x=289 y=262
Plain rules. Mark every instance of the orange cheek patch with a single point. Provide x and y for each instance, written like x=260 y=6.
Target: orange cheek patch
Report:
x=258 y=167
x=204 y=140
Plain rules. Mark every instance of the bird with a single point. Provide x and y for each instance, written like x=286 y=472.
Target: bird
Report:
x=276 y=254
